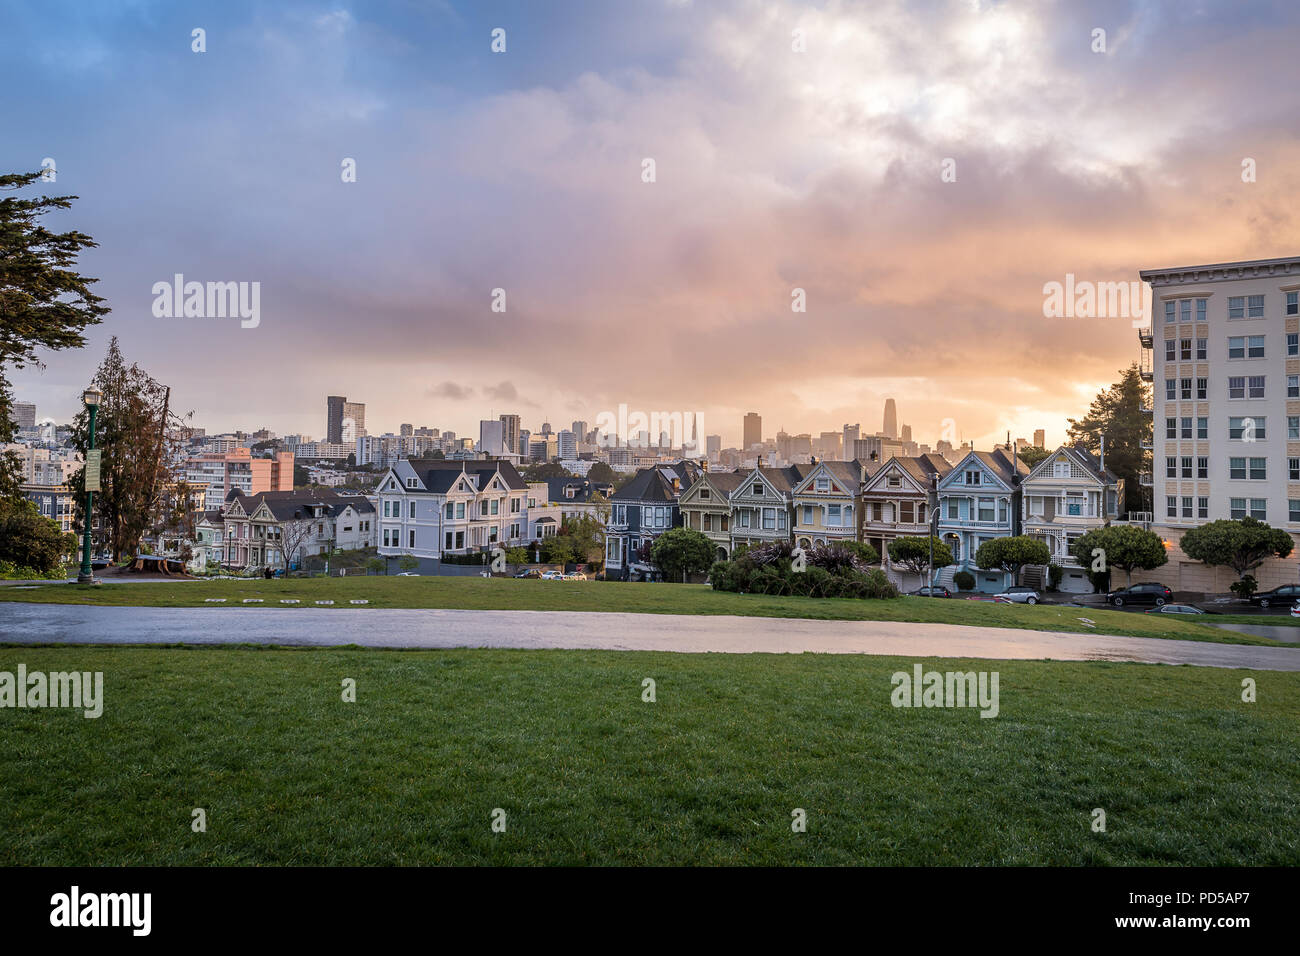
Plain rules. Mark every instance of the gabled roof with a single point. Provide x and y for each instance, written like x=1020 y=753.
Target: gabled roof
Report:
x=997 y=463
x=289 y=505
x=649 y=484
x=583 y=489
x=1085 y=459
x=918 y=469
x=723 y=482
x=438 y=475
x=846 y=474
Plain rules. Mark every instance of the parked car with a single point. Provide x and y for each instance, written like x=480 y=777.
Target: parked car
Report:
x=1018 y=595
x=575 y=576
x=1175 y=609
x=407 y=574
x=937 y=590
x=552 y=576
x=1149 y=593
x=1286 y=594
x=1295 y=609
x=530 y=573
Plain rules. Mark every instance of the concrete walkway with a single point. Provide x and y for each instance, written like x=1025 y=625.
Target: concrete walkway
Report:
x=375 y=627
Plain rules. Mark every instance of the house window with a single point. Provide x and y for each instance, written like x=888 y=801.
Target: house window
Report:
x=492 y=534
x=757 y=490
x=496 y=505
x=412 y=542
x=460 y=511
x=386 y=514
x=986 y=511
x=832 y=516
x=808 y=514
x=895 y=481
x=769 y=519
x=704 y=494
x=905 y=512
x=954 y=512
x=972 y=477
x=823 y=484
x=412 y=509
x=410 y=482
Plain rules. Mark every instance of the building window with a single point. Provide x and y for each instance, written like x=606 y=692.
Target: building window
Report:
x=1250 y=429
x=1259 y=506
x=1187 y=466
x=1171 y=467
x=1236 y=308
x=1237 y=468
x=1185 y=389
x=1237 y=508
x=1202 y=467
x=1293 y=469
x=1293 y=386
x=1171 y=391
x=1169 y=311
x=1293 y=304
x=1185 y=310
x=1293 y=511
x=1170 y=350
x=1255 y=386
x=1171 y=506
x=1202 y=346
x=1202 y=428
x=1237 y=386
x=1187 y=507
x=1202 y=507
x=1171 y=428
x=1293 y=427
x=1254 y=306
x=1200 y=310
x=1185 y=349
x=1202 y=389
x=1187 y=427
x=1236 y=346
x=1259 y=469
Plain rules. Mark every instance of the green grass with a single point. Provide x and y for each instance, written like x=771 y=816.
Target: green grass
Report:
x=588 y=773
x=508 y=594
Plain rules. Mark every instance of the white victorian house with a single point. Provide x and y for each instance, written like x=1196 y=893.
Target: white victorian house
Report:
x=1066 y=495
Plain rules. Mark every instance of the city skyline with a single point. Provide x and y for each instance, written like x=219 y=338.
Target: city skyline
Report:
x=775 y=172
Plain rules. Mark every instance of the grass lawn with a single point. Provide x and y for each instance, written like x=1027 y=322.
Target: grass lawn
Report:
x=510 y=594
x=588 y=773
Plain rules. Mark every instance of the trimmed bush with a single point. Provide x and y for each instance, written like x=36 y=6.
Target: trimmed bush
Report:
x=964 y=580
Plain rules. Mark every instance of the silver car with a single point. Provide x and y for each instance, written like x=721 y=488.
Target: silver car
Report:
x=1017 y=595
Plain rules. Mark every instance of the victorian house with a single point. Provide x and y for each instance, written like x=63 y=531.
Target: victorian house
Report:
x=640 y=511
x=979 y=500
x=1067 y=494
x=706 y=508
x=825 y=503
x=761 y=505
x=896 y=502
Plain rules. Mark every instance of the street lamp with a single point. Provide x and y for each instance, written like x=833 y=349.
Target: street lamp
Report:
x=91 y=397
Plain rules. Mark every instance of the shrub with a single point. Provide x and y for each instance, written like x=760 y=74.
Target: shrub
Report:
x=1054 y=574
x=964 y=580
x=1245 y=587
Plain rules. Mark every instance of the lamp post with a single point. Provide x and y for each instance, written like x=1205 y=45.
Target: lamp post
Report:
x=91 y=397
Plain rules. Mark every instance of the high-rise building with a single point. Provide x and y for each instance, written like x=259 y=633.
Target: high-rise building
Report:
x=345 y=421
x=406 y=431
x=567 y=444
x=490 y=441
x=753 y=430
x=828 y=445
x=907 y=433
x=510 y=434
x=713 y=445
x=851 y=434
x=24 y=414
x=1040 y=438
x=579 y=429
x=891 y=419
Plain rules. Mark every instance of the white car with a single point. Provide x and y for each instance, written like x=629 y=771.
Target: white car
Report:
x=1017 y=595
x=552 y=575
x=1295 y=609
x=407 y=574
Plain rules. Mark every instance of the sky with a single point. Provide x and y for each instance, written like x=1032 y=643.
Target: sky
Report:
x=920 y=170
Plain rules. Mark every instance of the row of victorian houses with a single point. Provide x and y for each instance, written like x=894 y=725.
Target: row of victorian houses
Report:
x=986 y=495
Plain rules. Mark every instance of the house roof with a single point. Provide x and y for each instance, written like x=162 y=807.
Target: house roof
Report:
x=287 y=505
x=440 y=475
x=583 y=489
x=1083 y=458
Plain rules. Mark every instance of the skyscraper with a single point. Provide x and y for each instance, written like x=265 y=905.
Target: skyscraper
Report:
x=851 y=434
x=24 y=414
x=344 y=421
x=753 y=430
x=1040 y=438
x=579 y=429
x=891 y=419
x=490 y=441
x=907 y=433
x=510 y=434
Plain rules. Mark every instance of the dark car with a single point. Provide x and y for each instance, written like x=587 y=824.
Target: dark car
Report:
x=1286 y=594
x=938 y=591
x=1150 y=593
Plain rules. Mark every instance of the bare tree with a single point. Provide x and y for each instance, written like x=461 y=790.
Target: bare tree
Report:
x=293 y=536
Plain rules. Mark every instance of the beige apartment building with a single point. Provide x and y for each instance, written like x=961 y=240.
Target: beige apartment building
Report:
x=1224 y=362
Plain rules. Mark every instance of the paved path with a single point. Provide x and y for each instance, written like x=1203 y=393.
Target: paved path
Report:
x=375 y=627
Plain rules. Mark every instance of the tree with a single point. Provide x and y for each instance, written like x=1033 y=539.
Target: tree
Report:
x=557 y=549
x=1032 y=454
x=681 y=551
x=863 y=551
x=377 y=565
x=1122 y=546
x=138 y=458
x=546 y=469
x=408 y=562
x=1241 y=544
x=44 y=301
x=1117 y=414
x=292 y=539
x=587 y=535
x=601 y=473
x=913 y=553
x=1011 y=554
x=28 y=539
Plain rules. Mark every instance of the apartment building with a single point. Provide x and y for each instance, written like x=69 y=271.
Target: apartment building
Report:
x=1223 y=355
x=237 y=470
